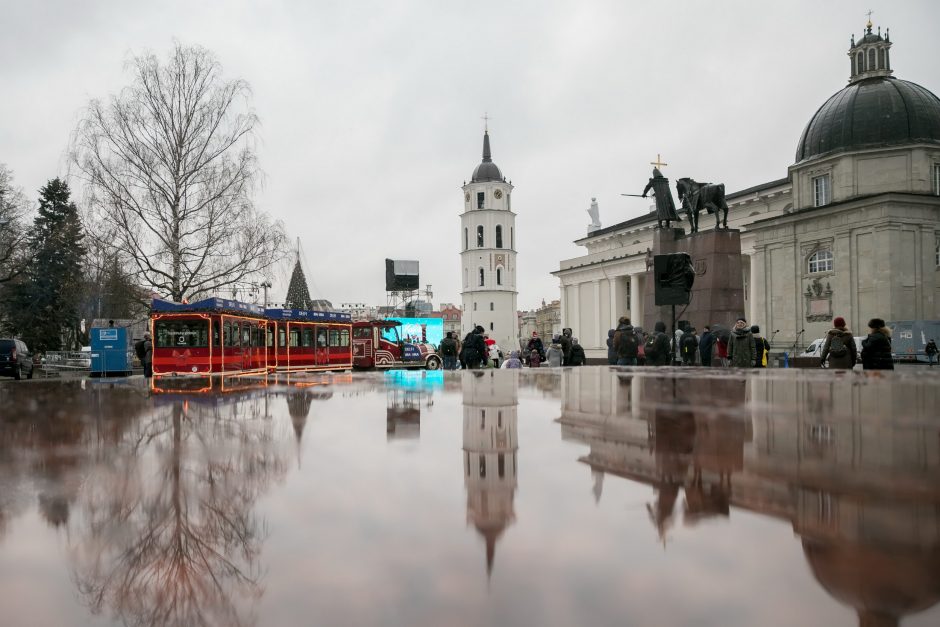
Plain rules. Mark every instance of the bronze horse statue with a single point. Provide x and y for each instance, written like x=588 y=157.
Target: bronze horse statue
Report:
x=696 y=196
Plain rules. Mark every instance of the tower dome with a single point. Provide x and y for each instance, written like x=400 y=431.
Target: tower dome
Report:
x=487 y=170
x=874 y=110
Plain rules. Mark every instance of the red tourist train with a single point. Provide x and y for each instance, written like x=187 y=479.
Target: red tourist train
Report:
x=221 y=336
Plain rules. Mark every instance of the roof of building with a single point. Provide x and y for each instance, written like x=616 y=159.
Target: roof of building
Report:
x=872 y=113
x=487 y=170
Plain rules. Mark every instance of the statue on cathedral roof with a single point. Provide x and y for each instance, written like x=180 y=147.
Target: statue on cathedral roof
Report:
x=594 y=212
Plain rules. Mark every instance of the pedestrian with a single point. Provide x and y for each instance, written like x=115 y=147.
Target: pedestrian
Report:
x=677 y=351
x=657 y=346
x=147 y=361
x=839 y=348
x=876 y=348
x=565 y=342
x=474 y=349
x=535 y=343
x=611 y=350
x=931 y=351
x=688 y=346
x=513 y=361
x=535 y=359
x=720 y=357
x=627 y=343
x=741 y=345
x=578 y=358
x=761 y=347
x=705 y=346
x=555 y=356
x=448 y=350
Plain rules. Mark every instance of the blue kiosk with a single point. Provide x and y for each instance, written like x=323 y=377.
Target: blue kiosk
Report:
x=111 y=352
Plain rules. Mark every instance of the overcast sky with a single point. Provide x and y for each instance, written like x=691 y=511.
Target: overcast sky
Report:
x=371 y=111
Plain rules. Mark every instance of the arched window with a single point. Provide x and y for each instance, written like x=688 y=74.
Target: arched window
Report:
x=854 y=71
x=881 y=59
x=499 y=236
x=871 y=59
x=491 y=326
x=860 y=62
x=491 y=306
x=466 y=238
x=820 y=261
x=512 y=244
x=481 y=277
x=480 y=236
x=499 y=276
x=887 y=59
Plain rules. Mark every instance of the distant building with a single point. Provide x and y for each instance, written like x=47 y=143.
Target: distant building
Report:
x=548 y=319
x=360 y=311
x=527 y=324
x=451 y=315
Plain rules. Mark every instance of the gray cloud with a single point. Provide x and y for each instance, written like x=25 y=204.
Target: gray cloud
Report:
x=370 y=111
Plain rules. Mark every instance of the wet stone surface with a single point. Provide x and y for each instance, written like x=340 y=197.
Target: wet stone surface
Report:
x=580 y=497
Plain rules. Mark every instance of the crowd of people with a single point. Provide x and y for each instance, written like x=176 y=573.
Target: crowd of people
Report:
x=741 y=346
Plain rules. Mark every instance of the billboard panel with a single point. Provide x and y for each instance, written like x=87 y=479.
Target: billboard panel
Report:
x=417 y=330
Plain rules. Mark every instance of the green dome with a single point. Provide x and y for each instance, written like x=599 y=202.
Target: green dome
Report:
x=872 y=113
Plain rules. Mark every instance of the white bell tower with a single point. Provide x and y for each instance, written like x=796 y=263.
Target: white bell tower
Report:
x=488 y=254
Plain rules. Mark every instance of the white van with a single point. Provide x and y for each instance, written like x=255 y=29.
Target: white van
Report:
x=816 y=346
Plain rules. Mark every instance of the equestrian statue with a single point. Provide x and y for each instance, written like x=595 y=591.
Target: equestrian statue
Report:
x=696 y=196
x=665 y=206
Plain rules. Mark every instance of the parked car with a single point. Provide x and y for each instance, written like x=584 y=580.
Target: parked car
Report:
x=15 y=359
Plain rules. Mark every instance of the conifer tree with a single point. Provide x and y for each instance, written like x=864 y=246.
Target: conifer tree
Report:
x=46 y=299
x=298 y=296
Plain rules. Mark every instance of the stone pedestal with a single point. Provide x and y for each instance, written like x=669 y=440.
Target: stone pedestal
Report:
x=718 y=292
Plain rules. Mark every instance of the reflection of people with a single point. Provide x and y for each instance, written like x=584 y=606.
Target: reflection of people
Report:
x=147 y=360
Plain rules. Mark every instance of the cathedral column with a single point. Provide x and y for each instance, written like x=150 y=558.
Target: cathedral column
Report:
x=597 y=314
x=614 y=299
x=574 y=314
x=636 y=303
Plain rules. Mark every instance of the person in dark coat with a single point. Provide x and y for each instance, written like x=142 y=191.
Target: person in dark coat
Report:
x=761 y=347
x=611 y=350
x=535 y=344
x=930 y=350
x=474 y=349
x=565 y=342
x=662 y=347
x=741 y=345
x=448 y=351
x=577 y=358
x=688 y=346
x=844 y=354
x=147 y=360
x=876 y=348
x=705 y=347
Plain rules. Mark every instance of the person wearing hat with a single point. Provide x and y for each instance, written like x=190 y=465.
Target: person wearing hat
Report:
x=839 y=347
x=147 y=359
x=741 y=345
x=876 y=348
x=761 y=347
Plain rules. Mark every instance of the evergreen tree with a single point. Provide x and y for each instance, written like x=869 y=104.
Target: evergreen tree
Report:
x=298 y=296
x=46 y=299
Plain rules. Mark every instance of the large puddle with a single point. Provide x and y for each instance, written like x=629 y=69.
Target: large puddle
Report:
x=580 y=497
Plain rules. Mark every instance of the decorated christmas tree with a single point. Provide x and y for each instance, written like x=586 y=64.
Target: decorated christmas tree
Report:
x=298 y=296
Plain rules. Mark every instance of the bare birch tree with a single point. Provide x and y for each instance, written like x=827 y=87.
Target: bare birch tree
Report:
x=13 y=210
x=170 y=164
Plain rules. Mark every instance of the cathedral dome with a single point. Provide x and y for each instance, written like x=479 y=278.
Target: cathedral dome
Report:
x=487 y=170
x=874 y=110
x=871 y=113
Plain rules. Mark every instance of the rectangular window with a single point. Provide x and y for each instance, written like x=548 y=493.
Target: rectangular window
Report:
x=821 y=194
x=246 y=334
x=344 y=337
x=308 y=337
x=282 y=337
x=480 y=197
x=936 y=179
x=270 y=337
x=294 y=338
x=479 y=237
x=491 y=306
x=334 y=337
x=194 y=334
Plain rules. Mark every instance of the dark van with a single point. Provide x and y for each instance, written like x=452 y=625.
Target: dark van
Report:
x=15 y=360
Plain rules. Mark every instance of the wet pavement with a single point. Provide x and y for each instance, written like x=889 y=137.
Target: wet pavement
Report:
x=589 y=496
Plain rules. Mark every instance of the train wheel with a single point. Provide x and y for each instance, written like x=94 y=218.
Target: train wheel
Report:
x=434 y=363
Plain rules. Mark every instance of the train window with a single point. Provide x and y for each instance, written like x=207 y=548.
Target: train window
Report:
x=294 y=338
x=270 y=331
x=334 y=337
x=259 y=335
x=246 y=334
x=321 y=338
x=362 y=333
x=344 y=337
x=281 y=337
x=228 y=334
x=194 y=334
x=308 y=337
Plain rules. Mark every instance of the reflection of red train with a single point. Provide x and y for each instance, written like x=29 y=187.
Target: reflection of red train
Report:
x=217 y=335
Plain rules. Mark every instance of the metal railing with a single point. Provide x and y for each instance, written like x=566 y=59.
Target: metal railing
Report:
x=56 y=361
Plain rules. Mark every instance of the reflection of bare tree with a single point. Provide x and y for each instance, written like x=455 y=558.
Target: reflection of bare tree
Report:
x=170 y=537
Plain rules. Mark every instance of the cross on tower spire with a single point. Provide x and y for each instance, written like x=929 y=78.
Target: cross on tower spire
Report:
x=869 y=18
x=486 y=122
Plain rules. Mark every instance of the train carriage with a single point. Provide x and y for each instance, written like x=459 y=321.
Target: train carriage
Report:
x=216 y=336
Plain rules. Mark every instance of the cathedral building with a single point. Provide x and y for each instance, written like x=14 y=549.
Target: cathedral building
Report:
x=488 y=254
x=852 y=230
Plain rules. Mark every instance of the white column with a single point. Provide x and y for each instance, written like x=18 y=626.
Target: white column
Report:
x=636 y=311
x=574 y=318
x=614 y=299
x=562 y=306
x=597 y=314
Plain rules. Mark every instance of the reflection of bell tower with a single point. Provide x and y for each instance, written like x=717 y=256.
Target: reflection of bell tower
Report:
x=490 y=404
